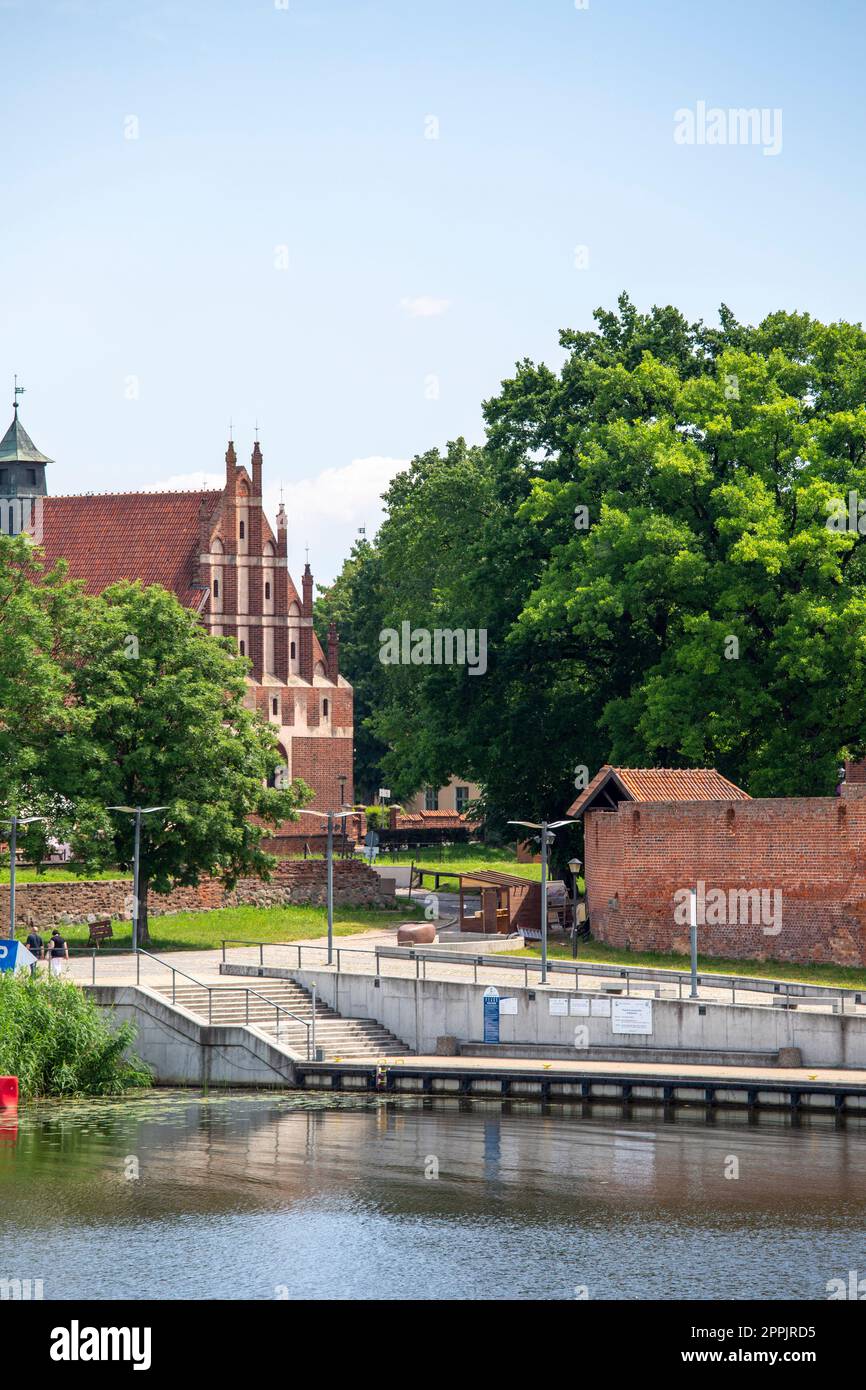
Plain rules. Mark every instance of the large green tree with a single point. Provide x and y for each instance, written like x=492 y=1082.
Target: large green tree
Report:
x=644 y=535
x=355 y=602
x=36 y=611
x=163 y=722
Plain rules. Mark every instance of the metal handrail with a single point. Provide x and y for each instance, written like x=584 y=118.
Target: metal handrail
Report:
x=200 y=984
x=788 y=989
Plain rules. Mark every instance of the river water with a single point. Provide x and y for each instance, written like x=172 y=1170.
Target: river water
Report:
x=179 y=1195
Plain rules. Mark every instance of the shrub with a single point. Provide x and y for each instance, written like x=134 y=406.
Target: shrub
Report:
x=56 y=1041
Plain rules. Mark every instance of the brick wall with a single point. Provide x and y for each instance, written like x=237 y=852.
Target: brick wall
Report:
x=46 y=904
x=811 y=849
x=318 y=761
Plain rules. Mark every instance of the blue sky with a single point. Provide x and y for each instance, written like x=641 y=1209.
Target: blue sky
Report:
x=144 y=303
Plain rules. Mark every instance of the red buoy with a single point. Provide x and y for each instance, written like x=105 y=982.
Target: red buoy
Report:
x=8 y=1092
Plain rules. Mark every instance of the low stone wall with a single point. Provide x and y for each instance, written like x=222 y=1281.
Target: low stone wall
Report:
x=299 y=882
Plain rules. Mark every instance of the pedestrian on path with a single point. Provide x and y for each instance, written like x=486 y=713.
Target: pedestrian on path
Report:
x=58 y=951
x=36 y=946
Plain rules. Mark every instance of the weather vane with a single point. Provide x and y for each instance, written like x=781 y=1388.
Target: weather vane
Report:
x=19 y=391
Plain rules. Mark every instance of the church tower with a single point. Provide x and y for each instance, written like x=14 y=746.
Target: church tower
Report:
x=22 y=476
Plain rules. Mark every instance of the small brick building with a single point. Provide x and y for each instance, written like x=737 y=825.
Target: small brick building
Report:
x=215 y=549
x=652 y=834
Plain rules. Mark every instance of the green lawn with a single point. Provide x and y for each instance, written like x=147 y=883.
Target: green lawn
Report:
x=57 y=875
x=463 y=859
x=198 y=931
x=846 y=977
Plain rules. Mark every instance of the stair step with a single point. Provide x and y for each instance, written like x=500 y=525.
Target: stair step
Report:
x=360 y=1038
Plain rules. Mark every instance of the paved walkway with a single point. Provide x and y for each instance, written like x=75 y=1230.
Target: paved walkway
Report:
x=356 y=954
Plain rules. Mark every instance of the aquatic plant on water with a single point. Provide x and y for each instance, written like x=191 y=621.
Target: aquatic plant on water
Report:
x=58 y=1043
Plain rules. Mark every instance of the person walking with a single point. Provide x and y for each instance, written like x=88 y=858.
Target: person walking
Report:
x=36 y=947
x=58 y=951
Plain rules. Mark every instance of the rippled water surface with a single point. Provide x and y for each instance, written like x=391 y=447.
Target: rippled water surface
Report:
x=250 y=1196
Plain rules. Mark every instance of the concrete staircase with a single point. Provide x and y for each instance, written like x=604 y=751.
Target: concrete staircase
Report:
x=338 y=1037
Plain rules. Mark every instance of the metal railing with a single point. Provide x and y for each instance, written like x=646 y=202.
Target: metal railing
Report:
x=784 y=991
x=279 y=1009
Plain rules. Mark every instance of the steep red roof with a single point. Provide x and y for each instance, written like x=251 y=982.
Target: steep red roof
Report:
x=151 y=536
x=658 y=784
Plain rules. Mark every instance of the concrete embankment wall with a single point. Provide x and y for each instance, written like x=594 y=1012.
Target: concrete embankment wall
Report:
x=421 y=1011
x=182 y=1050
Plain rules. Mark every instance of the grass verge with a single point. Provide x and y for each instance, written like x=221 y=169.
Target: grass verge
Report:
x=201 y=931
x=841 y=976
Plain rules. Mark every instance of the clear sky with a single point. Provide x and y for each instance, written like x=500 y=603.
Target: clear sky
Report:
x=283 y=242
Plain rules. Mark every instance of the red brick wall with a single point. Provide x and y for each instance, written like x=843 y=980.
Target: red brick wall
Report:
x=318 y=761
x=811 y=849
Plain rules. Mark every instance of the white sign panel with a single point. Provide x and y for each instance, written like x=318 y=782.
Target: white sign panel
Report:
x=508 y=1006
x=579 y=1007
x=559 y=1006
x=631 y=1015
x=600 y=1008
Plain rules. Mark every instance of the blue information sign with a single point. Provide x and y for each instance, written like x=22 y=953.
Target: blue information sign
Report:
x=491 y=1015
x=13 y=956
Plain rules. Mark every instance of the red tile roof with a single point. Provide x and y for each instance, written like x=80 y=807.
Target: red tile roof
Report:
x=435 y=820
x=151 y=536
x=660 y=784
x=104 y=537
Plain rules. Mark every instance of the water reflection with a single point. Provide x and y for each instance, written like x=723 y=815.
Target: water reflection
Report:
x=180 y=1195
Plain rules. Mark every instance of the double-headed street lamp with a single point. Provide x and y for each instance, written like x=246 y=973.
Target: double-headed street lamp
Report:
x=330 y=817
x=138 y=812
x=13 y=844
x=546 y=828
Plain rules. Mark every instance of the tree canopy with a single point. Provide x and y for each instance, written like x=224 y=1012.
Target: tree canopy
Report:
x=659 y=541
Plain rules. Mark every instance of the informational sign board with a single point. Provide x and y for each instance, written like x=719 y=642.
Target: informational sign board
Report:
x=507 y=1006
x=14 y=956
x=600 y=1008
x=631 y=1016
x=559 y=1006
x=491 y=1014
x=580 y=1007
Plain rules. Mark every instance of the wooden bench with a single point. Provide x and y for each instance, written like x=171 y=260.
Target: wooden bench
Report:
x=100 y=931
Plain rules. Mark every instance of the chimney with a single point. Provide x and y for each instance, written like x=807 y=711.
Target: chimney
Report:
x=229 y=537
x=201 y=568
x=231 y=464
x=333 y=653
x=254 y=572
x=306 y=632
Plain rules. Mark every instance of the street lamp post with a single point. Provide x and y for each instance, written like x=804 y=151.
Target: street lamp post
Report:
x=574 y=866
x=546 y=828
x=342 y=779
x=137 y=812
x=330 y=817
x=14 y=823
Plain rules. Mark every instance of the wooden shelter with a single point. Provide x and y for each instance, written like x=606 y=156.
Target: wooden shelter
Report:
x=508 y=903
